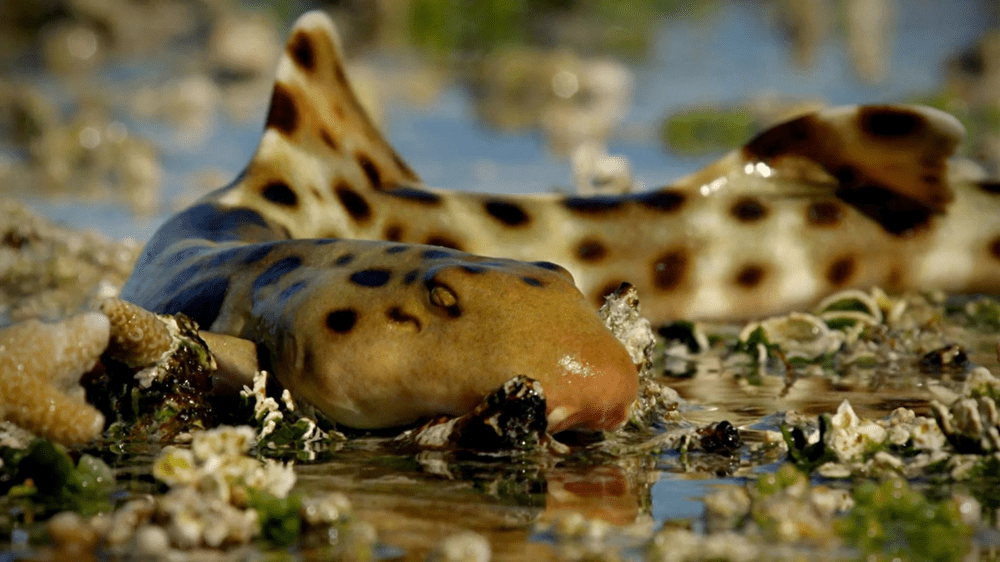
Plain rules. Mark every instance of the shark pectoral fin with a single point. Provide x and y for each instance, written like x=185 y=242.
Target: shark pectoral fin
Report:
x=888 y=161
x=237 y=361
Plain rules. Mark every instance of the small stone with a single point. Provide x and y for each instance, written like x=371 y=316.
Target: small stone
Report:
x=150 y=540
x=465 y=546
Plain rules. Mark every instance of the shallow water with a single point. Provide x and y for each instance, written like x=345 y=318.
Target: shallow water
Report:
x=731 y=53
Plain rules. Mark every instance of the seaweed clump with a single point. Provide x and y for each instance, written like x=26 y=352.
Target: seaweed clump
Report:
x=158 y=401
x=892 y=521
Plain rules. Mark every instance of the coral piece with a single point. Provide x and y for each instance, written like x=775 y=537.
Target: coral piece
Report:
x=161 y=398
x=138 y=337
x=40 y=366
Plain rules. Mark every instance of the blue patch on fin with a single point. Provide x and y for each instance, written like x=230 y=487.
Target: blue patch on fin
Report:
x=182 y=278
x=257 y=254
x=201 y=301
x=370 y=277
x=275 y=272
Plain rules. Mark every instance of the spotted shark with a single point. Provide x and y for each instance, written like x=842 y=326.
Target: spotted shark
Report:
x=383 y=301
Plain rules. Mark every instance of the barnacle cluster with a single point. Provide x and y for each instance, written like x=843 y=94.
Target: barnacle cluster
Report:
x=218 y=497
x=782 y=513
x=844 y=444
x=621 y=313
x=283 y=426
x=971 y=421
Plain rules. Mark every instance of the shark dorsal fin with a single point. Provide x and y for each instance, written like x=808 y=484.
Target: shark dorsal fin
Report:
x=889 y=162
x=315 y=112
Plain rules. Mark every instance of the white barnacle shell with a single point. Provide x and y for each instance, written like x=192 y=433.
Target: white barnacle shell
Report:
x=175 y=465
x=859 y=302
x=802 y=335
x=850 y=436
x=965 y=417
x=845 y=417
x=326 y=509
x=213 y=484
x=465 y=546
x=927 y=435
x=128 y=518
x=621 y=314
x=981 y=381
x=223 y=441
x=149 y=542
x=265 y=408
x=180 y=507
x=725 y=507
x=277 y=478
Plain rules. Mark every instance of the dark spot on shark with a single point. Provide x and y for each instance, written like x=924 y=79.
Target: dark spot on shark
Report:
x=283 y=115
x=995 y=248
x=374 y=277
x=824 y=213
x=751 y=275
x=549 y=266
x=597 y=205
x=421 y=196
x=342 y=320
x=393 y=233
x=443 y=241
x=663 y=200
x=885 y=122
x=396 y=314
x=353 y=203
x=328 y=139
x=510 y=214
x=590 y=250
x=841 y=270
x=302 y=51
x=291 y=291
x=669 y=269
x=748 y=209
x=435 y=254
x=277 y=191
x=370 y=169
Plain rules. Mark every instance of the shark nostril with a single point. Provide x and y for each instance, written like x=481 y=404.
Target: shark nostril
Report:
x=401 y=317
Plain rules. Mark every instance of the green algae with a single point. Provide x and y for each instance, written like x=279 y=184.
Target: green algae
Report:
x=808 y=456
x=279 y=518
x=43 y=478
x=892 y=521
x=708 y=130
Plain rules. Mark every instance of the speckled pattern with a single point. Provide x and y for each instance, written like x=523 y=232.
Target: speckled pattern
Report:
x=408 y=324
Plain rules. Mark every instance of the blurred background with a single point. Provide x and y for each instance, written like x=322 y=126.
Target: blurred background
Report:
x=114 y=114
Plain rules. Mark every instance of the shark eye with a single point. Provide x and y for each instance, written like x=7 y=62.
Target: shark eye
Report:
x=444 y=297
